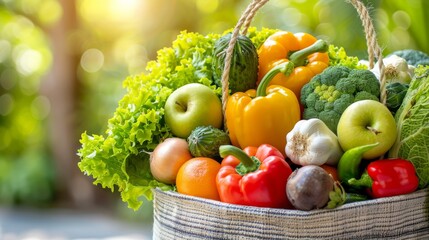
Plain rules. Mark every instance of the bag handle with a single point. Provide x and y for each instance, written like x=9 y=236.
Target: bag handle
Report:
x=374 y=50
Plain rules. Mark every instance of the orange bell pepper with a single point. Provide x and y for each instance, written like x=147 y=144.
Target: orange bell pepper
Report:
x=306 y=52
x=263 y=116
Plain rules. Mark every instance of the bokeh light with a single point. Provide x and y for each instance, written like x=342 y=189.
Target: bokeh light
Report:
x=27 y=60
x=92 y=60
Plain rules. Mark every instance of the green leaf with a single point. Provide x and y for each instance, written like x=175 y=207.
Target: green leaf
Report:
x=413 y=127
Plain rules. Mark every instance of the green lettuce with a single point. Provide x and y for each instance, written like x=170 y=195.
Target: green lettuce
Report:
x=338 y=56
x=119 y=159
x=413 y=126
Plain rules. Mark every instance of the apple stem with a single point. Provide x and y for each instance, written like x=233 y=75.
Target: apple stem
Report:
x=375 y=131
x=247 y=163
x=286 y=68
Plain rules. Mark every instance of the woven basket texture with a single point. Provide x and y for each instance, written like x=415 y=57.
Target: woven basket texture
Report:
x=177 y=216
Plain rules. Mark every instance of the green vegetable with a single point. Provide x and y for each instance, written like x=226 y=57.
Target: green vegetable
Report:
x=338 y=56
x=329 y=93
x=355 y=197
x=413 y=126
x=118 y=159
x=205 y=141
x=243 y=73
x=413 y=57
x=395 y=95
x=259 y=37
x=348 y=166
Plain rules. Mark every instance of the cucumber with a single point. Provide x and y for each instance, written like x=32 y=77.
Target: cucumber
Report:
x=204 y=141
x=243 y=73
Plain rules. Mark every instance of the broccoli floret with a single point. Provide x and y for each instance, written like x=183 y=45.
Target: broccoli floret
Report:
x=330 y=118
x=329 y=93
x=363 y=95
x=308 y=96
x=310 y=113
x=346 y=85
x=343 y=102
x=366 y=81
x=331 y=75
x=329 y=106
x=319 y=106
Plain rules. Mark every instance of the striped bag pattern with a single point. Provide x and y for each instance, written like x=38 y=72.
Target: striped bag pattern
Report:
x=177 y=216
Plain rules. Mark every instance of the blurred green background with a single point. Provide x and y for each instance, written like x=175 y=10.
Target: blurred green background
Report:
x=62 y=63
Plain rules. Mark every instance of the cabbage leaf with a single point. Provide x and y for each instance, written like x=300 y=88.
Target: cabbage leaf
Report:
x=413 y=126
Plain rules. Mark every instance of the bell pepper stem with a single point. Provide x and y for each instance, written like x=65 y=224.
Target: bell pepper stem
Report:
x=364 y=181
x=286 y=68
x=299 y=58
x=348 y=166
x=247 y=163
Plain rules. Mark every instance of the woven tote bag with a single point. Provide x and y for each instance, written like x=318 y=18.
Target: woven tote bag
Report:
x=177 y=216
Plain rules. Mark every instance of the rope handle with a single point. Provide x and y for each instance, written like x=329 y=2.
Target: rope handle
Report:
x=374 y=50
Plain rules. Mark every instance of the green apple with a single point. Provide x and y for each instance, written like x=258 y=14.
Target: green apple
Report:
x=190 y=106
x=365 y=122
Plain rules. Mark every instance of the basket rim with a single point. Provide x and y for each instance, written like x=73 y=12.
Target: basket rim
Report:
x=295 y=212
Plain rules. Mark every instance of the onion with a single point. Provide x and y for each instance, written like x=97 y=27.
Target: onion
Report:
x=167 y=158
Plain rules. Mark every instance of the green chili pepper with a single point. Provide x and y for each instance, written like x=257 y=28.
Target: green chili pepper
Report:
x=348 y=166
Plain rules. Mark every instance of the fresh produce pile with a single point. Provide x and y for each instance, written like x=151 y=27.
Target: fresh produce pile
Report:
x=303 y=127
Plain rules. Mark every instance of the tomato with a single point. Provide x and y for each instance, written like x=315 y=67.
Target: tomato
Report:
x=197 y=177
x=167 y=158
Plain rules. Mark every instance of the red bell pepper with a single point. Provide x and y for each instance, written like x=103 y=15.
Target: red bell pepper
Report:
x=388 y=177
x=253 y=177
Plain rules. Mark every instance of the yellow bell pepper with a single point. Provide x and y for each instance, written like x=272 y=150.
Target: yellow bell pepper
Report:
x=264 y=115
x=306 y=52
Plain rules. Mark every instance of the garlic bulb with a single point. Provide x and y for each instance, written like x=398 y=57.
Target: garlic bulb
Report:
x=396 y=69
x=311 y=142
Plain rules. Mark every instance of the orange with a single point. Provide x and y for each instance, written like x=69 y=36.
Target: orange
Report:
x=197 y=177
